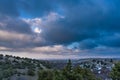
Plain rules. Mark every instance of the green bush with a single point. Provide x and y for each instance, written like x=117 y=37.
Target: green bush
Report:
x=30 y=72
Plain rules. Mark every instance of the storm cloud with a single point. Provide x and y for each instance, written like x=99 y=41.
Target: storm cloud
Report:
x=47 y=23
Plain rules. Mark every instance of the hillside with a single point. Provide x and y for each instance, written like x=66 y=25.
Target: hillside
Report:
x=16 y=68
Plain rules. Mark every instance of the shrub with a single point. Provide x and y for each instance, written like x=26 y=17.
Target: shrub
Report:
x=30 y=72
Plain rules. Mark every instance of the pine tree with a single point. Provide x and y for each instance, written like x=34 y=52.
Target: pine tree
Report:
x=69 y=66
x=115 y=74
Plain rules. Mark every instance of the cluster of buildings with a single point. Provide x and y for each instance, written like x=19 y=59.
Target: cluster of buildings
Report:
x=100 y=67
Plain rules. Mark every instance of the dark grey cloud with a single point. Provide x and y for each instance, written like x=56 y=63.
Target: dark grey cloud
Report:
x=65 y=33
x=88 y=22
x=85 y=20
x=14 y=24
x=112 y=40
x=87 y=44
x=36 y=7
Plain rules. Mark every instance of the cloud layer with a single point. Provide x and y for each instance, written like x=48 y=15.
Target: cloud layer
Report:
x=77 y=25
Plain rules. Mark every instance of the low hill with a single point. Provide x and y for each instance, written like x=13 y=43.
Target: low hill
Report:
x=16 y=68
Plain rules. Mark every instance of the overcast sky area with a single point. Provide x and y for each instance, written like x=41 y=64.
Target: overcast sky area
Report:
x=60 y=29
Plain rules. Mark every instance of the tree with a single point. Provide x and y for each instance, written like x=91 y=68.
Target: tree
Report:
x=68 y=67
x=83 y=74
x=68 y=73
x=1 y=56
x=45 y=75
x=58 y=75
x=31 y=72
x=115 y=73
x=111 y=60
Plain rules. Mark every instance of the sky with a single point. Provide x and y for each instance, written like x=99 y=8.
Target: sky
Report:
x=60 y=29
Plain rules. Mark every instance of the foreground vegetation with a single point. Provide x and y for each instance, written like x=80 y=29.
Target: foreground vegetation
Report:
x=68 y=73
x=115 y=73
x=16 y=68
